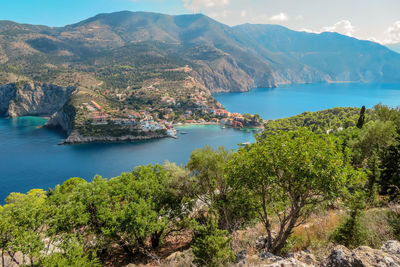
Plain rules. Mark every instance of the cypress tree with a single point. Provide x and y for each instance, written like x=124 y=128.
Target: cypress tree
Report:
x=361 y=119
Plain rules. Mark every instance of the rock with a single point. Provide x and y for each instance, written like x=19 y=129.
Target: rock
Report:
x=392 y=247
x=268 y=257
x=64 y=118
x=289 y=262
x=241 y=255
x=305 y=257
x=360 y=257
x=179 y=258
x=7 y=93
x=260 y=242
x=76 y=138
x=33 y=99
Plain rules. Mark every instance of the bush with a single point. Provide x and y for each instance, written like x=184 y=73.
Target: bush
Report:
x=72 y=254
x=352 y=232
x=211 y=245
x=394 y=221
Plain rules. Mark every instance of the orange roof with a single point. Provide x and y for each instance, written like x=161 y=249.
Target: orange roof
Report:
x=96 y=105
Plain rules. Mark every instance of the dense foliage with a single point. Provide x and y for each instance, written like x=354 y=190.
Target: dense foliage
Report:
x=330 y=120
x=279 y=181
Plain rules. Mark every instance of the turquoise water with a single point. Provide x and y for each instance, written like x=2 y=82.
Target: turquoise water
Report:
x=30 y=157
x=291 y=100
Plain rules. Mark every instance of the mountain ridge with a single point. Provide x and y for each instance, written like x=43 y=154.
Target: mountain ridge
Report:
x=250 y=47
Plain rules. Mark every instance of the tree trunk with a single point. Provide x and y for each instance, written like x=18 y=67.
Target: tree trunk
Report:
x=155 y=240
x=127 y=248
x=280 y=241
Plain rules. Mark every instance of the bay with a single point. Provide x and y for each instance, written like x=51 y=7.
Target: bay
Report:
x=30 y=156
x=290 y=100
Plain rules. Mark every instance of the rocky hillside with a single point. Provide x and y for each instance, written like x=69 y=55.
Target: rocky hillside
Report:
x=33 y=99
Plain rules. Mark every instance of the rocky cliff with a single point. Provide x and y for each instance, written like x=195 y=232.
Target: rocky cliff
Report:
x=7 y=93
x=33 y=99
x=63 y=118
x=76 y=138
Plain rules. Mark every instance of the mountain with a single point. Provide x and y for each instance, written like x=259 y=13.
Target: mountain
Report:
x=328 y=56
x=394 y=47
x=223 y=58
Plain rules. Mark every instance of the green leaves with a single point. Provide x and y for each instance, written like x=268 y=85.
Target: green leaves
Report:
x=21 y=223
x=289 y=174
x=211 y=245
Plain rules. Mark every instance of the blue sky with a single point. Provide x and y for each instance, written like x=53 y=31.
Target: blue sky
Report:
x=377 y=20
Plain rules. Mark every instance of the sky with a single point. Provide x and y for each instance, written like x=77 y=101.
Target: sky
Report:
x=376 y=20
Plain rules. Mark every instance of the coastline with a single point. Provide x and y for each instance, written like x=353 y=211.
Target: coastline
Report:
x=217 y=124
x=76 y=138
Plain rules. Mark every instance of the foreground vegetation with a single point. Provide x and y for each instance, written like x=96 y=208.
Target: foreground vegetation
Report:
x=334 y=183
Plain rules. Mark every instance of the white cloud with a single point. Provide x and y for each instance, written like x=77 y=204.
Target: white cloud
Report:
x=308 y=30
x=243 y=13
x=343 y=27
x=392 y=34
x=197 y=5
x=279 y=17
x=299 y=17
x=220 y=15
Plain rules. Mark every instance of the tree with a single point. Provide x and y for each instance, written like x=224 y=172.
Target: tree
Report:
x=390 y=176
x=289 y=175
x=71 y=253
x=211 y=245
x=368 y=149
x=210 y=185
x=385 y=114
x=361 y=119
x=22 y=222
x=351 y=232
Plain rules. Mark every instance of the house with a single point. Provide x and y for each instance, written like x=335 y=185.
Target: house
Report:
x=97 y=106
x=99 y=119
x=237 y=117
x=222 y=113
x=237 y=124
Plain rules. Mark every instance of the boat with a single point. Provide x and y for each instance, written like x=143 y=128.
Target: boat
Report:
x=223 y=127
x=183 y=133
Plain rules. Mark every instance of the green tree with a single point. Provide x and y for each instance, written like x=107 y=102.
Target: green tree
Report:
x=211 y=245
x=368 y=149
x=289 y=175
x=71 y=253
x=361 y=119
x=351 y=232
x=390 y=176
x=210 y=185
x=22 y=222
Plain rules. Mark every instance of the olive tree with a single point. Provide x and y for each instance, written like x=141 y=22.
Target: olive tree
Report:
x=209 y=184
x=288 y=175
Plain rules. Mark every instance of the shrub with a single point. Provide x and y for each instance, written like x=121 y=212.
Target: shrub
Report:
x=72 y=254
x=394 y=221
x=211 y=245
x=352 y=232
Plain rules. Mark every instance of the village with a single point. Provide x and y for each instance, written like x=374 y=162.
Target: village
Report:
x=142 y=120
x=150 y=119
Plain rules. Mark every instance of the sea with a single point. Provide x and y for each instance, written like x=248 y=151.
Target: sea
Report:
x=31 y=157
